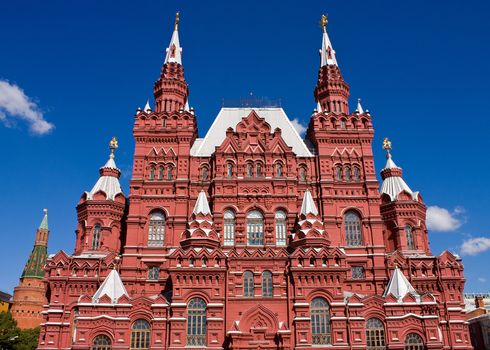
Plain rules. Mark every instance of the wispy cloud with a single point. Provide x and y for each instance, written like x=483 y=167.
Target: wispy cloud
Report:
x=16 y=105
x=474 y=246
x=482 y=279
x=300 y=128
x=441 y=219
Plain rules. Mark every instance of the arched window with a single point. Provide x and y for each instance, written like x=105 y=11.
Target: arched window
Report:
x=196 y=322
x=302 y=174
x=348 y=176
x=160 y=172
x=267 y=284
x=250 y=170
x=156 y=229
x=229 y=169
x=279 y=170
x=352 y=226
x=152 y=173
x=102 y=342
x=259 y=169
x=281 y=229
x=229 y=228
x=375 y=334
x=356 y=175
x=170 y=172
x=248 y=284
x=413 y=341
x=204 y=174
x=255 y=228
x=410 y=238
x=140 y=335
x=342 y=123
x=153 y=273
x=338 y=173
x=320 y=321
x=96 y=237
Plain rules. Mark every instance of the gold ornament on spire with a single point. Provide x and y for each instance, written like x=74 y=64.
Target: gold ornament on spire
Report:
x=113 y=144
x=45 y=211
x=176 y=26
x=323 y=22
x=387 y=145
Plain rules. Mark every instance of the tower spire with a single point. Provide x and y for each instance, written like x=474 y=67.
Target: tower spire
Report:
x=35 y=264
x=331 y=92
x=171 y=90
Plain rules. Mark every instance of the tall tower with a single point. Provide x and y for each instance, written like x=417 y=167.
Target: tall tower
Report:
x=29 y=295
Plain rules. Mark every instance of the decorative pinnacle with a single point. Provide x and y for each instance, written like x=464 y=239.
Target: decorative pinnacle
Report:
x=117 y=260
x=176 y=26
x=323 y=22
x=45 y=211
x=387 y=145
x=113 y=145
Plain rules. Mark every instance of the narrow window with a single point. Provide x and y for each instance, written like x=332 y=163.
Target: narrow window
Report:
x=279 y=170
x=205 y=174
x=267 y=284
x=410 y=238
x=342 y=124
x=140 y=335
x=281 y=229
x=320 y=322
x=96 y=237
x=196 y=322
x=248 y=284
x=152 y=173
x=229 y=170
x=413 y=341
x=352 y=227
x=356 y=174
x=153 y=273
x=102 y=342
x=259 y=170
x=250 y=170
x=375 y=334
x=358 y=273
x=338 y=173
x=255 y=228
x=302 y=174
x=170 y=171
x=229 y=228
x=348 y=176
x=156 y=229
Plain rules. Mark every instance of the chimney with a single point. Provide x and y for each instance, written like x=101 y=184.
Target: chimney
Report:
x=479 y=304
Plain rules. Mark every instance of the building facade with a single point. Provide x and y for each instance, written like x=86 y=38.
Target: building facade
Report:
x=30 y=295
x=252 y=237
x=478 y=316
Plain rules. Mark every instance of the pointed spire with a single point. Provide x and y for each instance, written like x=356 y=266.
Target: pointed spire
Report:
x=186 y=107
x=112 y=286
x=202 y=205
x=308 y=206
x=174 y=51
x=327 y=53
x=108 y=181
x=393 y=183
x=147 y=108
x=44 y=222
x=318 y=107
x=399 y=286
x=359 y=108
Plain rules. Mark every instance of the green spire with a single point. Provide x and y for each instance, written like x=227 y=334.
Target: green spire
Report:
x=35 y=265
x=44 y=223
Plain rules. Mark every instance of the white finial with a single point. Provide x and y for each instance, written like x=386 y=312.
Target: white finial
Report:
x=202 y=205
x=359 y=108
x=318 y=107
x=186 y=107
x=174 y=51
x=147 y=108
x=308 y=206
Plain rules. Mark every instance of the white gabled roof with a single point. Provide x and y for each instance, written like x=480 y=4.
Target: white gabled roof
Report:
x=202 y=205
x=394 y=185
x=308 y=206
x=399 y=286
x=112 y=287
x=109 y=184
x=230 y=117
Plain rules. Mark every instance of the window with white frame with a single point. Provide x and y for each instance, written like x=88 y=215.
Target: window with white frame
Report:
x=229 y=228
x=281 y=228
x=156 y=229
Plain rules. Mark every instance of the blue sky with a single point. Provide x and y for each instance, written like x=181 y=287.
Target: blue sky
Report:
x=420 y=67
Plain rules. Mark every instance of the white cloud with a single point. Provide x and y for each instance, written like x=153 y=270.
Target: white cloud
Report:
x=440 y=219
x=482 y=279
x=16 y=105
x=474 y=246
x=300 y=128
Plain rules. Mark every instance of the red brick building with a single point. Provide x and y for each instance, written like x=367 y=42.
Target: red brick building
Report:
x=253 y=238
